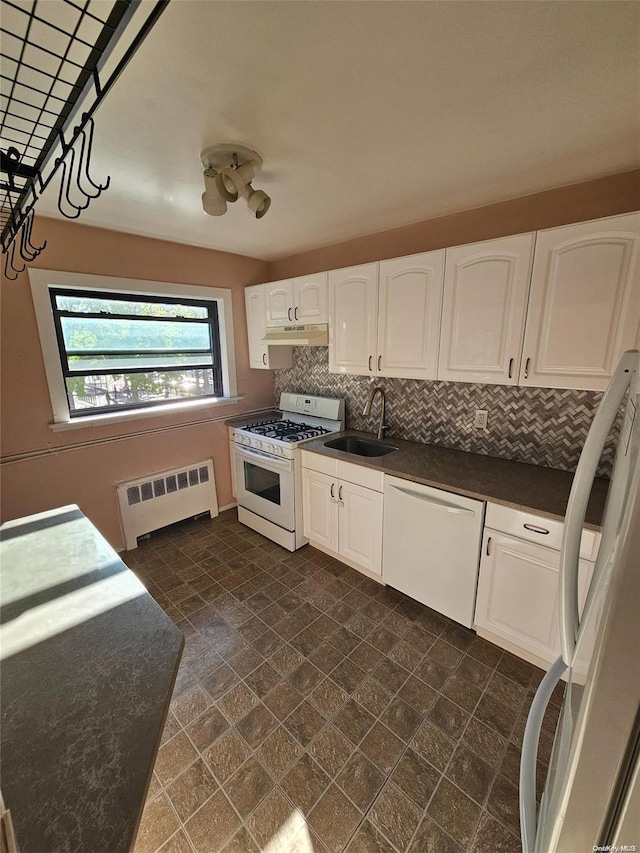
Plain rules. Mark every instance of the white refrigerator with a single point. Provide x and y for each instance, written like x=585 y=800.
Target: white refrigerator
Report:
x=591 y=799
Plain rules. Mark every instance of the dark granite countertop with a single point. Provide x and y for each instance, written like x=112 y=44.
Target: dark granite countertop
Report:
x=253 y=417
x=88 y=665
x=515 y=484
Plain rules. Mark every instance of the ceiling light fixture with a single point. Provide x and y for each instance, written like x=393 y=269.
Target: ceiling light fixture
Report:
x=228 y=172
x=257 y=201
x=212 y=201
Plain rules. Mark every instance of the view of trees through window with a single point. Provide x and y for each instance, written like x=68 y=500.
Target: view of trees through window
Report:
x=120 y=352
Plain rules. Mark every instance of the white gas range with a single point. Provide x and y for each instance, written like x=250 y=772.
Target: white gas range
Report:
x=267 y=465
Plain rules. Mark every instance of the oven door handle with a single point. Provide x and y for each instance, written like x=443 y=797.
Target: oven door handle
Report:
x=283 y=464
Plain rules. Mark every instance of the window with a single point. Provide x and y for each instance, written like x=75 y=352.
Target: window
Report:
x=117 y=352
x=123 y=348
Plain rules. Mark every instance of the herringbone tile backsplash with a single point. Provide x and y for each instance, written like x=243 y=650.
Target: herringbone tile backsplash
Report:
x=541 y=426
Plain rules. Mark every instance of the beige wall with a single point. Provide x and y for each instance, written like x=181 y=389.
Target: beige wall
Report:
x=577 y=203
x=78 y=466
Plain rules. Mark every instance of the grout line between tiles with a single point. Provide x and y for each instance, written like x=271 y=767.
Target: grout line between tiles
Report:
x=325 y=611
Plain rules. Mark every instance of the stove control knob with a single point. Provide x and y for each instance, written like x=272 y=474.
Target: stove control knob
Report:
x=257 y=444
x=277 y=450
x=244 y=439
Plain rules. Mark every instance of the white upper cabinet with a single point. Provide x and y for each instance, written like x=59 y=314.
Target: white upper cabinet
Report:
x=297 y=300
x=310 y=299
x=261 y=356
x=384 y=320
x=484 y=304
x=353 y=308
x=409 y=308
x=279 y=300
x=584 y=307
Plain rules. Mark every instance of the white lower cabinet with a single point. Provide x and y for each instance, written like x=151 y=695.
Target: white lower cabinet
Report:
x=343 y=518
x=517 y=603
x=319 y=492
x=360 y=526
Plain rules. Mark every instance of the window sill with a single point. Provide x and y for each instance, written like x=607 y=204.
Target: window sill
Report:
x=151 y=412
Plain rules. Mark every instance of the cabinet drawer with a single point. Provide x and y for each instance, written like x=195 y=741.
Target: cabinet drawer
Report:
x=538 y=529
x=358 y=474
x=361 y=476
x=322 y=464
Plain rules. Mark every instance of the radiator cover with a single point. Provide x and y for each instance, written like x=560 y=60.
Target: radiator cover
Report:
x=153 y=501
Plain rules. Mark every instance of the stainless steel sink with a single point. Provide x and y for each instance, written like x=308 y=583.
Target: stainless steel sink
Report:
x=360 y=446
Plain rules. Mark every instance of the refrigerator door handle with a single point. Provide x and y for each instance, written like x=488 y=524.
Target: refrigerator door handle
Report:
x=579 y=498
x=529 y=754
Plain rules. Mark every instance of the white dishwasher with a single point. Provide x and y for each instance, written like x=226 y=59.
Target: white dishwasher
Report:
x=431 y=546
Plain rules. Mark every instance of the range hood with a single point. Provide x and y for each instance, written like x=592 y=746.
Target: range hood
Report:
x=298 y=336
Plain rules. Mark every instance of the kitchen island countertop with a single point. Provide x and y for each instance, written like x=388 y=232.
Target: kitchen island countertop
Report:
x=515 y=484
x=88 y=666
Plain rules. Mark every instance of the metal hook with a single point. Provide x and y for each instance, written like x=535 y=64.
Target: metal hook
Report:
x=25 y=250
x=79 y=174
x=29 y=252
x=9 y=262
x=65 y=186
x=29 y=244
x=88 y=139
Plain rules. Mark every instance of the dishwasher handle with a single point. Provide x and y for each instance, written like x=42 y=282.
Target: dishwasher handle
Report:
x=436 y=504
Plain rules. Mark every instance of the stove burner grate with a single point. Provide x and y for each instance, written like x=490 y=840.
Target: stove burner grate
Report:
x=289 y=431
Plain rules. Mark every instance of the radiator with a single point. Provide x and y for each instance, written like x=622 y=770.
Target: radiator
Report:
x=156 y=500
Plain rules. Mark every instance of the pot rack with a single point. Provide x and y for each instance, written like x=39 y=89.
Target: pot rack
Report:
x=59 y=61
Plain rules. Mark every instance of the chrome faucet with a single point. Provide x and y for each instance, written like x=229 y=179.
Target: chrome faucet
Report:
x=382 y=427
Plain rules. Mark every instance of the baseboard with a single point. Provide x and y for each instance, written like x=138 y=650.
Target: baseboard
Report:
x=530 y=657
x=347 y=562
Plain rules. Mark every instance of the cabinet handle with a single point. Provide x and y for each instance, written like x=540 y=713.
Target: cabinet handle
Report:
x=264 y=358
x=340 y=493
x=379 y=362
x=526 y=368
x=370 y=360
x=535 y=529
x=510 y=368
x=489 y=546
x=295 y=312
x=289 y=314
x=333 y=485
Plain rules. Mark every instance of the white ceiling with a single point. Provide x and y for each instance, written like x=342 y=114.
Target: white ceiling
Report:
x=368 y=115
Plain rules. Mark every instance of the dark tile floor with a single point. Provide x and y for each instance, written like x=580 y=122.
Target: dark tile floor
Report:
x=316 y=710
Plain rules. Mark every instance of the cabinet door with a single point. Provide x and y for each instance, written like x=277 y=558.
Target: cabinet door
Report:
x=320 y=508
x=484 y=304
x=360 y=526
x=256 y=326
x=261 y=356
x=279 y=298
x=584 y=307
x=518 y=593
x=310 y=299
x=409 y=308
x=353 y=307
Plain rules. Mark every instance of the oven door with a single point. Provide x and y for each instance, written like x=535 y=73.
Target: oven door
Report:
x=265 y=486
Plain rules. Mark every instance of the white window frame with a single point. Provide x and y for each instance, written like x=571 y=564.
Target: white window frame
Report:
x=42 y=280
